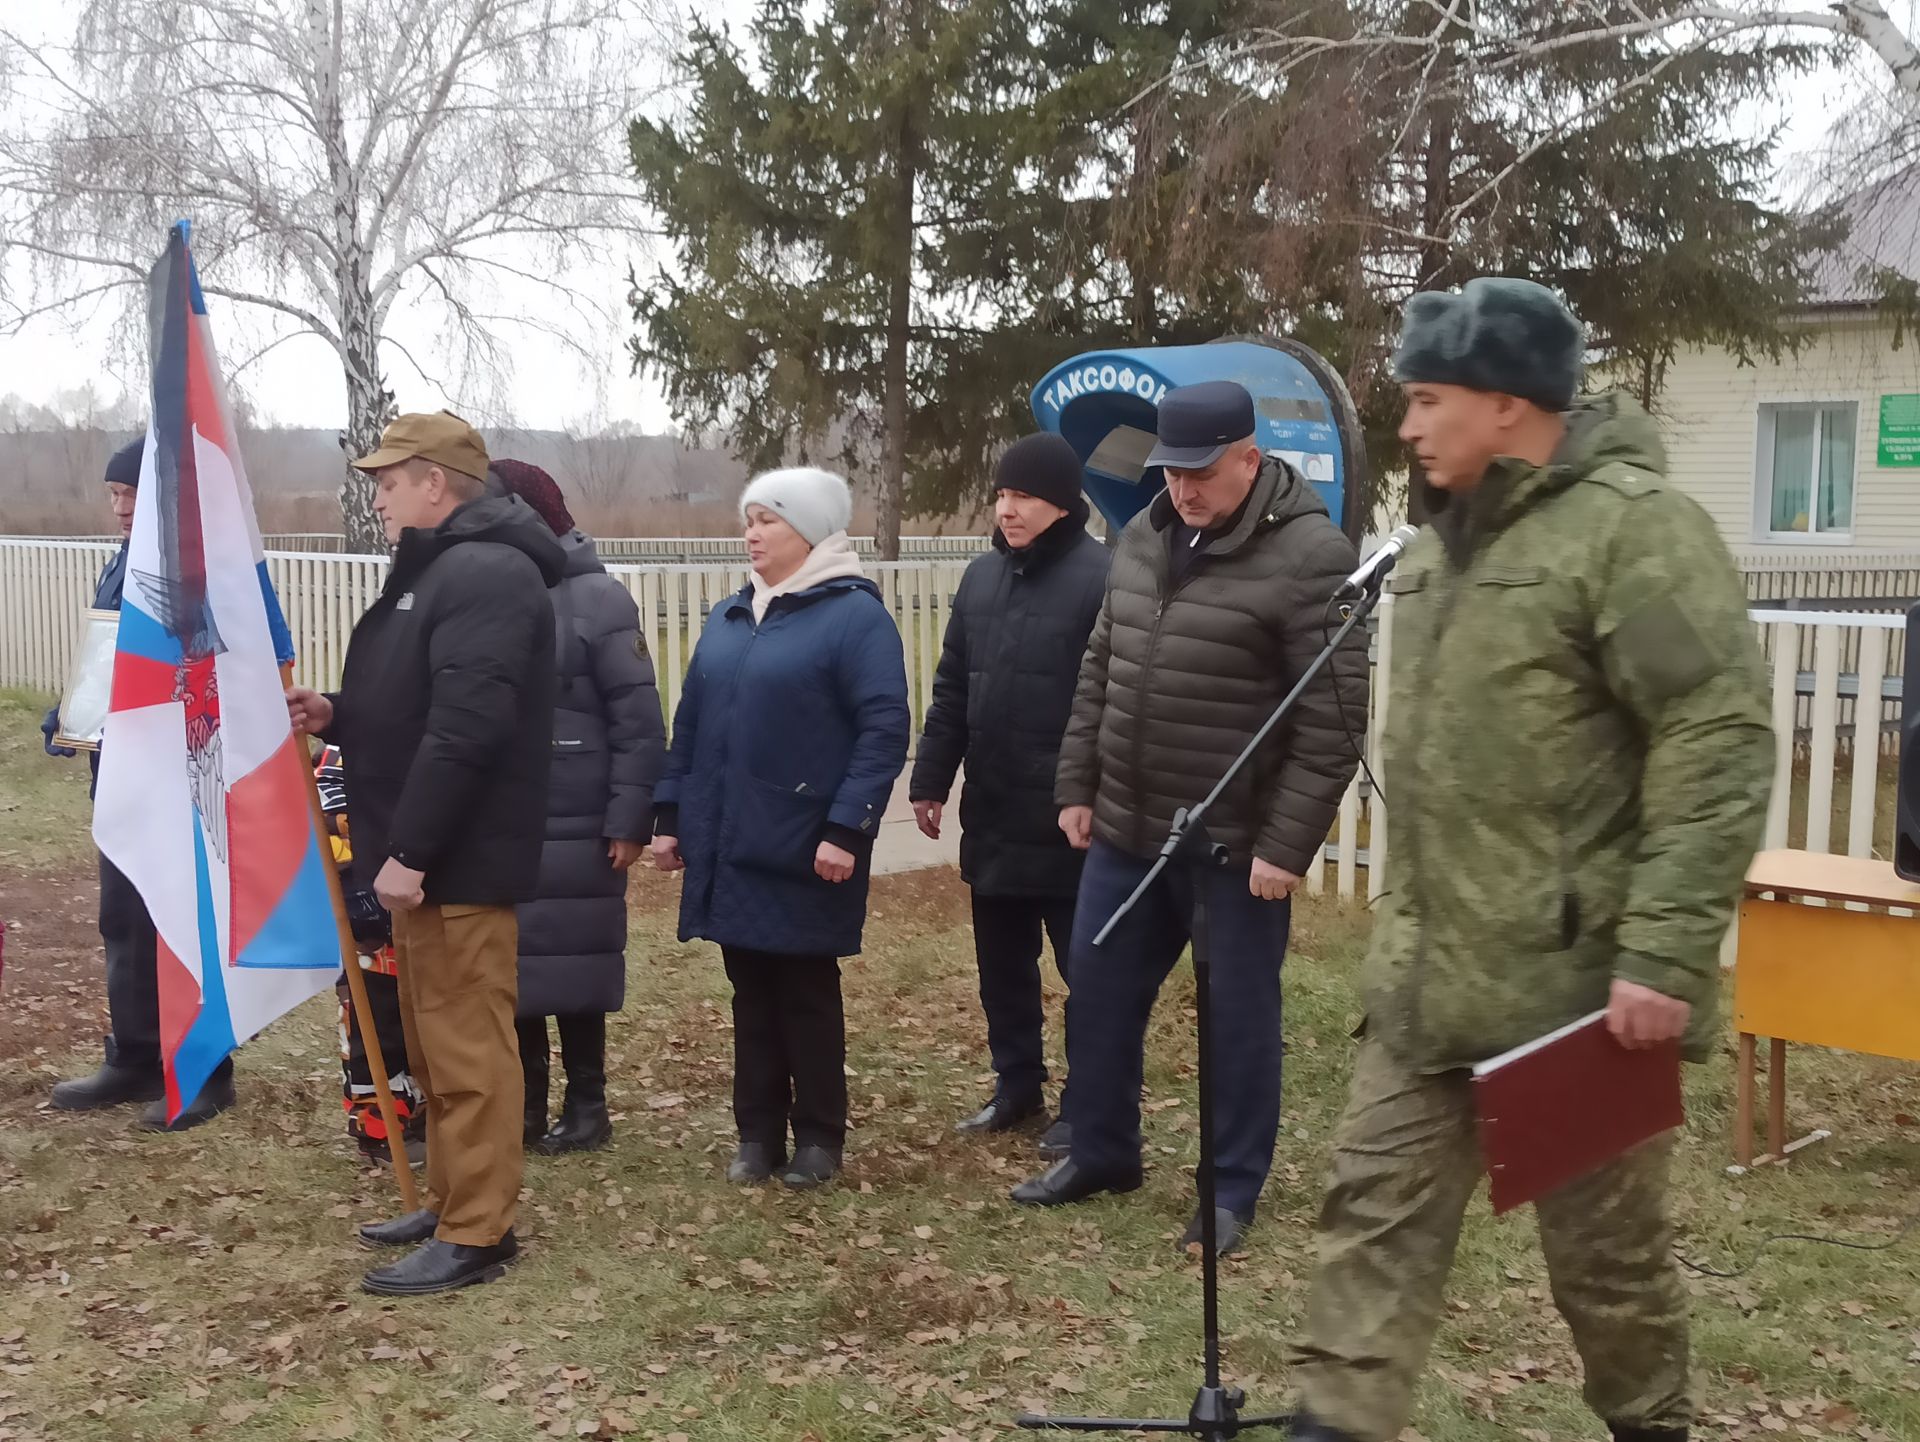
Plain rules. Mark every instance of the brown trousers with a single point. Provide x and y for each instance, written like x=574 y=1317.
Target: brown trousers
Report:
x=458 y=987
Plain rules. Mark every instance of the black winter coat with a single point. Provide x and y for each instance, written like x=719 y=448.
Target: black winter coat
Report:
x=1180 y=673
x=445 y=707
x=609 y=741
x=1001 y=699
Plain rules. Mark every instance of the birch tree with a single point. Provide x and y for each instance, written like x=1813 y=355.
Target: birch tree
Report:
x=336 y=158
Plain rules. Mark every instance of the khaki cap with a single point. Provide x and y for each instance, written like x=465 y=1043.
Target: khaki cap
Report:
x=440 y=437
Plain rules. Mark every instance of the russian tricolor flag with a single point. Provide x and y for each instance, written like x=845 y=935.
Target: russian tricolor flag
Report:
x=203 y=798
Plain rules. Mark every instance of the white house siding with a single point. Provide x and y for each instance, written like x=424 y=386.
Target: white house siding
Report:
x=1709 y=414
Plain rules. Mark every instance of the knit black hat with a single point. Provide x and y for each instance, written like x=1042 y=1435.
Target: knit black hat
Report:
x=1494 y=334
x=1042 y=465
x=123 y=466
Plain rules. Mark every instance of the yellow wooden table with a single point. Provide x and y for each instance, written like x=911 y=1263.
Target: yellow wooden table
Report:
x=1825 y=975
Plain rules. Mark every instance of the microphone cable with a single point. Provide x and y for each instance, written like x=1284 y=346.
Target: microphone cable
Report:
x=1700 y=1269
x=1346 y=719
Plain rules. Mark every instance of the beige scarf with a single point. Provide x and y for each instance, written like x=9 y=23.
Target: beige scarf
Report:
x=831 y=560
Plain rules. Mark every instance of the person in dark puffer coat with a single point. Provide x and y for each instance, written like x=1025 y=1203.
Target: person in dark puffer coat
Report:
x=788 y=737
x=609 y=740
x=1001 y=699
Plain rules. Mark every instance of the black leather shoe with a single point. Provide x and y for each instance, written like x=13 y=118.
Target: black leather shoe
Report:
x=1003 y=1114
x=1308 y=1428
x=439 y=1266
x=408 y=1231
x=583 y=1127
x=1067 y=1181
x=1057 y=1141
x=215 y=1097
x=754 y=1163
x=811 y=1167
x=1229 y=1230
x=1623 y=1433
x=111 y=1086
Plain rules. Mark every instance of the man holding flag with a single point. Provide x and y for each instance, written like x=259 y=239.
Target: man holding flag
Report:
x=445 y=720
x=130 y=1071
x=203 y=790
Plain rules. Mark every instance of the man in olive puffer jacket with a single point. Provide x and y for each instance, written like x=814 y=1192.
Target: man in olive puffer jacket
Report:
x=1219 y=599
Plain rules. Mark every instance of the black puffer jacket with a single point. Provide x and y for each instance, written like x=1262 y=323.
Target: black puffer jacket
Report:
x=445 y=707
x=1001 y=699
x=1178 y=677
x=609 y=742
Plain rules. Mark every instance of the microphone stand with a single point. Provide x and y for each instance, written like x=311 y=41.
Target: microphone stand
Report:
x=1215 y=1415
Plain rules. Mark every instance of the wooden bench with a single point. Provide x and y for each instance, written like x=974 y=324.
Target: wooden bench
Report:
x=1827 y=974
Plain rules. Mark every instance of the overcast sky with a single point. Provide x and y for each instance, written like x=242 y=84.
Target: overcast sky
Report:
x=299 y=383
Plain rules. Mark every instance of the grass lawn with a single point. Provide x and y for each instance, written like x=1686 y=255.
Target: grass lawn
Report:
x=205 y=1285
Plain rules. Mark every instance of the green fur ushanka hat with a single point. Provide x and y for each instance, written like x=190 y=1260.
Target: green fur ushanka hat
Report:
x=1493 y=334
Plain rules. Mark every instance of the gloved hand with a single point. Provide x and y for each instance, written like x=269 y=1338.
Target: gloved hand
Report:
x=48 y=728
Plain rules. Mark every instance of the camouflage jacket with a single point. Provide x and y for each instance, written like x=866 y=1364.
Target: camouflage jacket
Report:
x=1578 y=751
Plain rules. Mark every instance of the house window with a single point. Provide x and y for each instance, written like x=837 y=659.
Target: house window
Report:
x=1806 y=469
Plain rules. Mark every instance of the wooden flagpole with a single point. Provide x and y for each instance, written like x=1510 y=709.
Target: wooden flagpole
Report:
x=357 y=987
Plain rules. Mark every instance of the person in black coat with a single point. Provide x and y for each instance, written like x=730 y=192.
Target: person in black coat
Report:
x=1001 y=698
x=609 y=740
x=131 y=1071
x=445 y=720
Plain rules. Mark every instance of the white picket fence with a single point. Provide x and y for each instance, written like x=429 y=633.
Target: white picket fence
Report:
x=1823 y=664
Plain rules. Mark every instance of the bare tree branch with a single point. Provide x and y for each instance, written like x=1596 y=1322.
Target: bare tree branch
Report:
x=337 y=157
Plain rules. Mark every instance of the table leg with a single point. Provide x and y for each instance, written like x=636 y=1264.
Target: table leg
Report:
x=1743 y=1110
x=1777 y=1098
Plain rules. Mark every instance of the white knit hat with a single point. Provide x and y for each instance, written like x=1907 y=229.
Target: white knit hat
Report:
x=815 y=503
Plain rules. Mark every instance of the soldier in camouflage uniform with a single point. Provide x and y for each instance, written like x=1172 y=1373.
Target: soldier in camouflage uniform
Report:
x=1578 y=759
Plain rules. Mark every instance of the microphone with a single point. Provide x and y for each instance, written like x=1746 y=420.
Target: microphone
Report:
x=1374 y=569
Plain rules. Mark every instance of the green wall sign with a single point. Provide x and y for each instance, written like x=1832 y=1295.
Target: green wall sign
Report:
x=1900 y=431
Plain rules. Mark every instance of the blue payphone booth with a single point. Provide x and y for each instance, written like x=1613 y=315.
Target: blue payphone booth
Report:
x=1104 y=404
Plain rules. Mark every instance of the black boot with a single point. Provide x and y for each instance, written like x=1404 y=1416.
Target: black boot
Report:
x=534 y=1065
x=215 y=1097
x=584 y=1125
x=114 y=1084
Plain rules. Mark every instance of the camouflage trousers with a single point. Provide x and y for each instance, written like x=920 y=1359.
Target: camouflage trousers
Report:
x=1406 y=1161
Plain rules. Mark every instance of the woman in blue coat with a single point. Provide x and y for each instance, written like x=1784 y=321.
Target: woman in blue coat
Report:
x=790 y=731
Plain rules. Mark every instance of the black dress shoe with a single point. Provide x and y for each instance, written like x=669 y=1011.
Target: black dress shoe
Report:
x=407 y=1231
x=754 y=1163
x=111 y=1086
x=1308 y=1428
x=1068 y=1181
x=811 y=1167
x=439 y=1266
x=1057 y=1141
x=584 y=1126
x=1229 y=1230
x=215 y=1097
x=1623 y=1433
x=1003 y=1114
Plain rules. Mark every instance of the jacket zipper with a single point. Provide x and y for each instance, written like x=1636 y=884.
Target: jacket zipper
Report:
x=1416 y=987
x=1146 y=694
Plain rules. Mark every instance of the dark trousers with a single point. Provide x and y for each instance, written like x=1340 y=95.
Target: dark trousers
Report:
x=1113 y=988
x=1007 y=941
x=583 y=1052
x=133 y=975
x=133 y=985
x=789 y=1048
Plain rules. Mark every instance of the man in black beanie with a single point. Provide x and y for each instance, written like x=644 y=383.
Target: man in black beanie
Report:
x=1001 y=698
x=131 y=1071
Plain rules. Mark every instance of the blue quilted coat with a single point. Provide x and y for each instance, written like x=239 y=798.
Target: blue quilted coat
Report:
x=789 y=732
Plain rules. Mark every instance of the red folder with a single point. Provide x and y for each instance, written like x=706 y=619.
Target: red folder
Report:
x=1555 y=1109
